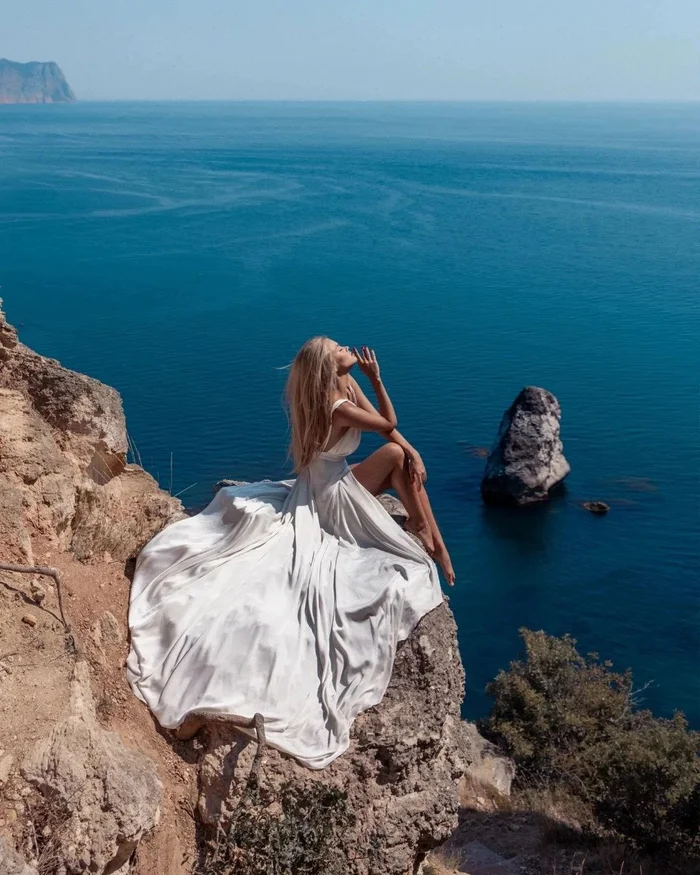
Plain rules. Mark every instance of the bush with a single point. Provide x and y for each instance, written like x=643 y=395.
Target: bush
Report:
x=290 y=833
x=569 y=721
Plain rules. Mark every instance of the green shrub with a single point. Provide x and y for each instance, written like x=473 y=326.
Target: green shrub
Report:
x=288 y=833
x=570 y=721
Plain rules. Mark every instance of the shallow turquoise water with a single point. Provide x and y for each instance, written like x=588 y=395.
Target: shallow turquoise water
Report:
x=182 y=252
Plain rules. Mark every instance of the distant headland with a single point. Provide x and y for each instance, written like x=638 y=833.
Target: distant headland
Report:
x=35 y=82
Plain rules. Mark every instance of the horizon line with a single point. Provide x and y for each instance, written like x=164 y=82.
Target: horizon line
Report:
x=326 y=100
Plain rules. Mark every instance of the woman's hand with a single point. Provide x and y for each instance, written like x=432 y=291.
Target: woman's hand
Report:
x=367 y=362
x=416 y=468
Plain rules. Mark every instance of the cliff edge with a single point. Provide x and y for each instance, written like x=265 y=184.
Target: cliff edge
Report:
x=34 y=82
x=88 y=782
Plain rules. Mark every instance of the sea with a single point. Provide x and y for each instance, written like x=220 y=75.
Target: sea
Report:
x=182 y=252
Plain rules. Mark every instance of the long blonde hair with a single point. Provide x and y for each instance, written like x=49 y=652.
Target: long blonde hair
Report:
x=309 y=396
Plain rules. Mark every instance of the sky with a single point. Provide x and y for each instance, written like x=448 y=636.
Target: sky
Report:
x=363 y=49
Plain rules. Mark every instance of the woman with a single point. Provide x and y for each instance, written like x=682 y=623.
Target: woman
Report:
x=288 y=598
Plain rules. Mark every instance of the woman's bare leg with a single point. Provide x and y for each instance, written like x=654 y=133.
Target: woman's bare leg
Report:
x=377 y=473
x=386 y=466
x=441 y=556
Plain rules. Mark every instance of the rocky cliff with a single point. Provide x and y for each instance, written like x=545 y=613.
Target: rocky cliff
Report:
x=87 y=780
x=34 y=82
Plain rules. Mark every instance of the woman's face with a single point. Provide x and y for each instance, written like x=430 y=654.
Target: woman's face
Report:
x=344 y=358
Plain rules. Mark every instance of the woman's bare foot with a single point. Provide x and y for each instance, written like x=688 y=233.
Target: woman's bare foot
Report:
x=442 y=557
x=189 y=727
x=423 y=533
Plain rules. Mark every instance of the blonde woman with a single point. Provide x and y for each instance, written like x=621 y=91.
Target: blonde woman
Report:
x=288 y=598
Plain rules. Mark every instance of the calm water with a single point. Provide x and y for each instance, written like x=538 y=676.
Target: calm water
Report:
x=182 y=252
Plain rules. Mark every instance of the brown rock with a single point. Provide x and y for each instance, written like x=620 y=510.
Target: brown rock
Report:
x=401 y=770
x=490 y=771
x=38 y=593
x=68 y=401
x=112 y=794
x=10 y=861
x=121 y=516
x=14 y=536
x=29 y=619
x=35 y=476
x=63 y=472
x=7 y=761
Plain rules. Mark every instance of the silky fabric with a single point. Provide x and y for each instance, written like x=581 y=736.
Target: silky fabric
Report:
x=286 y=598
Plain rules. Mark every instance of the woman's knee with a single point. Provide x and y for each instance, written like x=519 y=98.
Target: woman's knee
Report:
x=396 y=454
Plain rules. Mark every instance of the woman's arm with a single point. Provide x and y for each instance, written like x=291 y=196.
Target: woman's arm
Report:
x=368 y=364
x=391 y=434
x=355 y=416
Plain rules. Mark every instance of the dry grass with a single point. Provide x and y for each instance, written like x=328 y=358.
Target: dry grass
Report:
x=46 y=824
x=442 y=862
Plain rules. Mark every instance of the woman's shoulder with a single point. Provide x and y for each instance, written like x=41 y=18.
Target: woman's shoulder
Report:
x=340 y=399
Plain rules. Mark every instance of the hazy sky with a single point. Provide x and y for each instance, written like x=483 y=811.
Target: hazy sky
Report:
x=363 y=49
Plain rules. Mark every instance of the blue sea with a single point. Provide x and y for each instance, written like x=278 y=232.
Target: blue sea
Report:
x=182 y=252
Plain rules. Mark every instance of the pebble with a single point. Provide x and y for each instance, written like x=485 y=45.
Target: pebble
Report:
x=25 y=791
x=38 y=593
x=10 y=815
x=29 y=619
x=6 y=763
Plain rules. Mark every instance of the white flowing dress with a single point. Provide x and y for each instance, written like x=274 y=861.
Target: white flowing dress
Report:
x=286 y=598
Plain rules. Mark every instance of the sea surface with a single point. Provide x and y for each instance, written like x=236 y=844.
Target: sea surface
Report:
x=182 y=252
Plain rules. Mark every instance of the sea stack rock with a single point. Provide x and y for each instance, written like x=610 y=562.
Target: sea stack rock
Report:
x=527 y=458
x=35 y=82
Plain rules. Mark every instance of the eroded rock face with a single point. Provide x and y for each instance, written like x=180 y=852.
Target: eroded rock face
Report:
x=527 y=459
x=64 y=478
x=111 y=794
x=489 y=767
x=76 y=405
x=63 y=464
x=33 y=82
x=11 y=863
x=402 y=767
x=122 y=516
x=33 y=469
x=65 y=488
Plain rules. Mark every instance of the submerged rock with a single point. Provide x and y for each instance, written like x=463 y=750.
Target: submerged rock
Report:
x=597 y=507
x=527 y=458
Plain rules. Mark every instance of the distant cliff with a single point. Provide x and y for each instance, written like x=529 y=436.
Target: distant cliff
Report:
x=35 y=82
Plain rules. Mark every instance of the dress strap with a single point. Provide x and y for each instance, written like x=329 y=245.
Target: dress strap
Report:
x=337 y=403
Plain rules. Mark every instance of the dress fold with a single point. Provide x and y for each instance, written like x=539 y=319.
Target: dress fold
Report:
x=286 y=598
